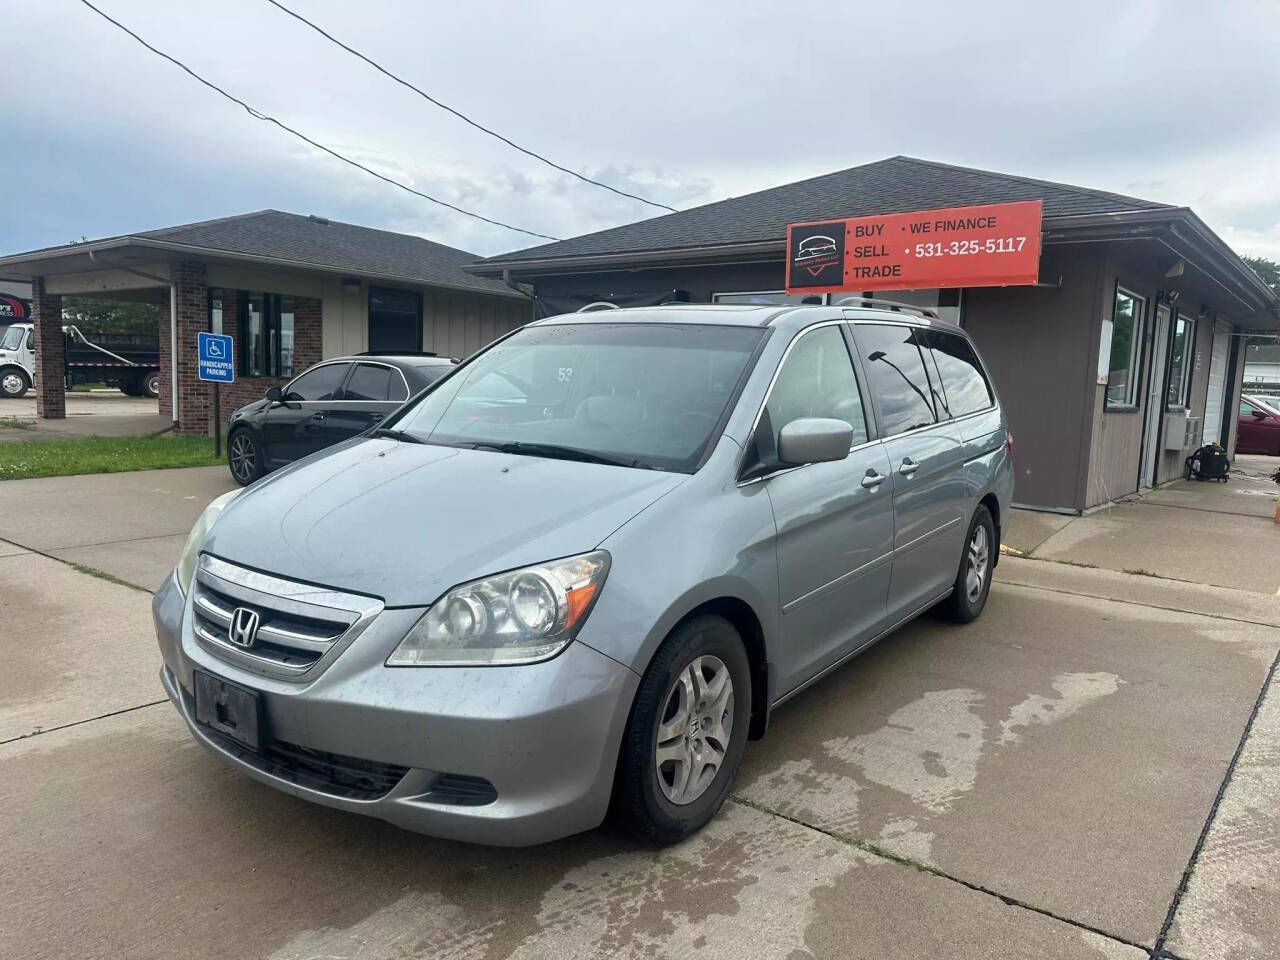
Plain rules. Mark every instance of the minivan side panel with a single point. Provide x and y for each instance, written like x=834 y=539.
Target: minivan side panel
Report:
x=707 y=539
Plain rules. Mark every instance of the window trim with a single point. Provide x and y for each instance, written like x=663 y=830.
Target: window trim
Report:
x=1136 y=354
x=360 y=361
x=1188 y=355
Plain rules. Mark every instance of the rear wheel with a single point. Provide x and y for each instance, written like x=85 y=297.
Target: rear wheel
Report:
x=13 y=382
x=150 y=385
x=686 y=733
x=244 y=457
x=973 y=582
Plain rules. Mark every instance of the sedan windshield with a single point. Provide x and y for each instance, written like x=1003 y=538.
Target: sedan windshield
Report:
x=636 y=394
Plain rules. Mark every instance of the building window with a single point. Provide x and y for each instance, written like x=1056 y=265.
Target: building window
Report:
x=395 y=321
x=1180 y=364
x=1125 y=368
x=766 y=297
x=266 y=334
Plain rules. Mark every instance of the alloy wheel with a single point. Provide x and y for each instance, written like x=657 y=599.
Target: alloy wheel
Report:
x=979 y=551
x=694 y=730
x=244 y=458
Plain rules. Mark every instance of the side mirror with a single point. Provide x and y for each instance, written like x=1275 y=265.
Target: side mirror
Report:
x=275 y=395
x=814 y=440
x=1259 y=415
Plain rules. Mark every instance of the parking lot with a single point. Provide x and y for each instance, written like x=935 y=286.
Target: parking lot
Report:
x=99 y=412
x=1088 y=771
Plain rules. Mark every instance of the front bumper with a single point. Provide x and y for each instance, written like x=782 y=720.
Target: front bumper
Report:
x=545 y=735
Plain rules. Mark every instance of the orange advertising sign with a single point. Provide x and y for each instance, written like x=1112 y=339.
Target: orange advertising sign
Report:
x=993 y=245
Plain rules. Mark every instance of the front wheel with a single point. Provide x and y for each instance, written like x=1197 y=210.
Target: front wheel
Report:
x=686 y=733
x=244 y=457
x=13 y=383
x=973 y=582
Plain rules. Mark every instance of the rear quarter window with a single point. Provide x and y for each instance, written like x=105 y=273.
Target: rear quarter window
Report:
x=963 y=379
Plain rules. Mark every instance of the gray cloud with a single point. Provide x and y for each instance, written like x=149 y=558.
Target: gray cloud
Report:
x=684 y=102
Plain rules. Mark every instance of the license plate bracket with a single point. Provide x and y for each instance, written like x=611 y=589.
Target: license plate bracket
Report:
x=232 y=710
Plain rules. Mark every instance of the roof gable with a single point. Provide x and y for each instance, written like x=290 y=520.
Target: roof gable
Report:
x=885 y=186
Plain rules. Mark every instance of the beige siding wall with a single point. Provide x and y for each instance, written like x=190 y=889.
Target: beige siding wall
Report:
x=1113 y=456
x=459 y=324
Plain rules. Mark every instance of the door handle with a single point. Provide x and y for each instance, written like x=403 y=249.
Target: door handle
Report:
x=908 y=467
x=318 y=417
x=872 y=479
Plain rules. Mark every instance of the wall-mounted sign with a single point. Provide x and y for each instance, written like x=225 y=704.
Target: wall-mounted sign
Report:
x=12 y=309
x=994 y=245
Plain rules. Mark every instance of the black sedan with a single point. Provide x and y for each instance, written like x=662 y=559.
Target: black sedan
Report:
x=331 y=401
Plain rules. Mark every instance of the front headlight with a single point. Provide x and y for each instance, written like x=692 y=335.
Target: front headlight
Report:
x=522 y=616
x=195 y=539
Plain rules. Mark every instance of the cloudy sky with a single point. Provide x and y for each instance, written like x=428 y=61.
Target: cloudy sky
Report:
x=682 y=102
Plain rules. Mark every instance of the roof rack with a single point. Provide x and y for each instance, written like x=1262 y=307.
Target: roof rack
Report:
x=598 y=305
x=893 y=305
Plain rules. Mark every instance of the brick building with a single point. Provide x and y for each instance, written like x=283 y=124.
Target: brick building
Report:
x=291 y=290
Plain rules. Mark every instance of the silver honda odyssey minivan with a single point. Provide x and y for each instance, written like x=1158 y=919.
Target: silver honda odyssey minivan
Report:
x=578 y=573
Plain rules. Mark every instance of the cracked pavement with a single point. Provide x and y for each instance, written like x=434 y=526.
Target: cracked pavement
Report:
x=1092 y=770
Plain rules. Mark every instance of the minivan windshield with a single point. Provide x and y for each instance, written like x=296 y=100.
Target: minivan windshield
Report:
x=12 y=338
x=640 y=394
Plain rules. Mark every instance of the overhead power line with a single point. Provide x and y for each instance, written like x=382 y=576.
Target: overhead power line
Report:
x=259 y=115
x=459 y=114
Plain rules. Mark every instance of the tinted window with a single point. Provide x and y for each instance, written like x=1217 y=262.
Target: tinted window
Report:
x=965 y=389
x=649 y=392
x=369 y=382
x=816 y=380
x=399 y=390
x=319 y=383
x=895 y=371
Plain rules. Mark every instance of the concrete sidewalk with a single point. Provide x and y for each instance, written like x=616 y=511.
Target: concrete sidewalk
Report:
x=1033 y=784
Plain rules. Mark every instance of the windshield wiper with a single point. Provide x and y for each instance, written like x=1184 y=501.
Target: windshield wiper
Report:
x=392 y=434
x=558 y=452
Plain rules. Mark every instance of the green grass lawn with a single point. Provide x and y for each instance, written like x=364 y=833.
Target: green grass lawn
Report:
x=59 y=458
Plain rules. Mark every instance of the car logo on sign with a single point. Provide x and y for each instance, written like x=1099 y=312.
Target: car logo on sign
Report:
x=244 y=627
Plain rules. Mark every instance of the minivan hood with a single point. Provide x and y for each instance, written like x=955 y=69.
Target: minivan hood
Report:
x=405 y=521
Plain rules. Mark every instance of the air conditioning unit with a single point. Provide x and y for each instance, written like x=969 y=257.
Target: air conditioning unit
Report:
x=1181 y=431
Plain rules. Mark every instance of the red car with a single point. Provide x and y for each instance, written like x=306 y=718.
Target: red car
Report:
x=1259 y=428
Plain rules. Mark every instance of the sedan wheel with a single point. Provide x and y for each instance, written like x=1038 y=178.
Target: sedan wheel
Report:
x=242 y=457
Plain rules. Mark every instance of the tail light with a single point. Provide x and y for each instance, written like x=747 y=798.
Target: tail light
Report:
x=1008 y=442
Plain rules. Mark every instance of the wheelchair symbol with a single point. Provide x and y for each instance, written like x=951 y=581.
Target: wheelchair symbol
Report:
x=215 y=348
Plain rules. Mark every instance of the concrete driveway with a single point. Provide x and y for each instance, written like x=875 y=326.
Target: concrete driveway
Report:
x=98 y=413
x=1089 y=771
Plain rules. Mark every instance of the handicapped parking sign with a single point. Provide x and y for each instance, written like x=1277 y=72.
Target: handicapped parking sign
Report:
x=214 y=356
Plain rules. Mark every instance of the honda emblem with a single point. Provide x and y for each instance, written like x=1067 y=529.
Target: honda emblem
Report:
x=244 y=627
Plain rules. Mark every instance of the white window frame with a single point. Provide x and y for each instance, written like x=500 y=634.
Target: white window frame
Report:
x=1188 y=358
x=1136 y=342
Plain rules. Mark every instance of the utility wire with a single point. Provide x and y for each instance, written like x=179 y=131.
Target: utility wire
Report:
x=259 y=115
x=457 y=113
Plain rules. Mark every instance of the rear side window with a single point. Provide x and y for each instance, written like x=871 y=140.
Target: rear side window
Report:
x=369 y=382
x=896 y=375
x=963 y=382
x=816 y=380
x=319 y=383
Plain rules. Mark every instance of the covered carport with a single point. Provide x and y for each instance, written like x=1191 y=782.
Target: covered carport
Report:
x=289 y=289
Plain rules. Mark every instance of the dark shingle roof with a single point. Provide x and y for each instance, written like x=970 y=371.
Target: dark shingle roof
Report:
x=886 y=186
x=320 y=243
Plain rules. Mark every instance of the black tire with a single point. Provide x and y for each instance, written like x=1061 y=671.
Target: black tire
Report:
x=150 y=384
x=964 y=605
x=244 y=456
x=640 y=803
x=14 y=383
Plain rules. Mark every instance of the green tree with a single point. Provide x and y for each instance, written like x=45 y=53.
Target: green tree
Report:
x=97 y=315
x=1268 y=270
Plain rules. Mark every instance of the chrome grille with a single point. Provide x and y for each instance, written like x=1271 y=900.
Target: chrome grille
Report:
x=300 y=628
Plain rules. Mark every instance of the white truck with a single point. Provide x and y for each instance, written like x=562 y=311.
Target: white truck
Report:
x=129 y=361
